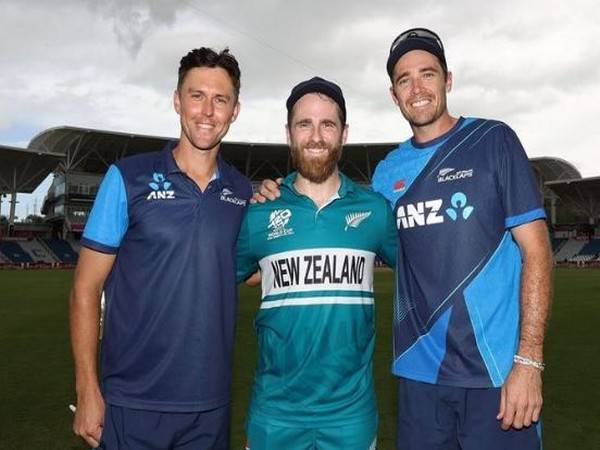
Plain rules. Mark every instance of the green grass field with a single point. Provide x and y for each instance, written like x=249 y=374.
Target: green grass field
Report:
x=36 y=377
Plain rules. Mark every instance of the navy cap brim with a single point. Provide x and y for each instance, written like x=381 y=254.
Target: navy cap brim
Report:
x=414 y=43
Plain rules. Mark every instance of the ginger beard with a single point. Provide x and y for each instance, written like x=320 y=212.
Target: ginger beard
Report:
x=314 y=168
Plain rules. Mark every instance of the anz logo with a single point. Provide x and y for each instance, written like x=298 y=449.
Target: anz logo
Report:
x=160 y=188
x=429 y=212
x=419 y=214
x=459 y=206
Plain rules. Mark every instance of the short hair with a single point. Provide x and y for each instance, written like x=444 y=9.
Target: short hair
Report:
x=321 y=87
x=341 y=115
x=207 y=57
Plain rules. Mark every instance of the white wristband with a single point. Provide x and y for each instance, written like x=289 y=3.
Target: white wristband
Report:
x=529 y=362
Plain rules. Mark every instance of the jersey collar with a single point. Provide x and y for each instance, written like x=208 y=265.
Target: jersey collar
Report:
x=167 y=160
x=347 y=186
x=459 y=123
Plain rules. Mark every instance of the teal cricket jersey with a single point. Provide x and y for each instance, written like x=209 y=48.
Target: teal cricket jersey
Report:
x=316 y=324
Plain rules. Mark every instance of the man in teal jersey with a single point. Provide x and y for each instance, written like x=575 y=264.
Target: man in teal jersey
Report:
x=315 y=246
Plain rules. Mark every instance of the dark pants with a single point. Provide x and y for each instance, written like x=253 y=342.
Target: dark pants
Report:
x=131 y=429
x=434 y=417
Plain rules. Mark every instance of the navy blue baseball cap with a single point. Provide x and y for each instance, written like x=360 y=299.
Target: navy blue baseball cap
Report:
x=415 y=39
x=321 y=86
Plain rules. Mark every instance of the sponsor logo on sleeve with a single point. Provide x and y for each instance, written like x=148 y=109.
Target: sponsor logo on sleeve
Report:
x=399 y=185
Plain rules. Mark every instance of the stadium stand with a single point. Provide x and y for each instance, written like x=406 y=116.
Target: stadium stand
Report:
x=571 y=248
x=22 y=170
x=557 y=243
x=79 y=157
x=581 y=259
x=3 y=260
x=62 y=250
x=13 y=251
x=592 y=249
x=39 y=253
x=75 y=245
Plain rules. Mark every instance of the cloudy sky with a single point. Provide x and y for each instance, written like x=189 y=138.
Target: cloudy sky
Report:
x=112 y=64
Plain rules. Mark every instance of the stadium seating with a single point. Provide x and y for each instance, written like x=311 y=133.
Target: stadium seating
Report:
x=4 y=260
x=62 y=250
x=581 y=258
x=75 y=245
x=557 y=243
x=13 y=251
x=592 y=248
x=578 y=251
x=568 y=250
x=39 y=253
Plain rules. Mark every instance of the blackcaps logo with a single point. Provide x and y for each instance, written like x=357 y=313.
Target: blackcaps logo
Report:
x=227 y=196
x=451 y=174
x=160 y=188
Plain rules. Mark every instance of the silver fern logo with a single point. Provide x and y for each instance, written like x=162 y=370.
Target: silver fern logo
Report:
x=353 y=220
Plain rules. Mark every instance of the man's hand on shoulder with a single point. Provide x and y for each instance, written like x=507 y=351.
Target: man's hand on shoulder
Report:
x=268 y=190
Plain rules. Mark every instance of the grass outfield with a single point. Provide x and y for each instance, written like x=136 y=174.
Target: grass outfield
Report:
x=36 y=378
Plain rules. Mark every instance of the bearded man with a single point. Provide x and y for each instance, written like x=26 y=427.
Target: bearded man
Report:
x=315 y=246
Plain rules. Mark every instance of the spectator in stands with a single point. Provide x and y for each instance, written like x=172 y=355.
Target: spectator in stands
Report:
x=160 y=242
x=473 y=269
